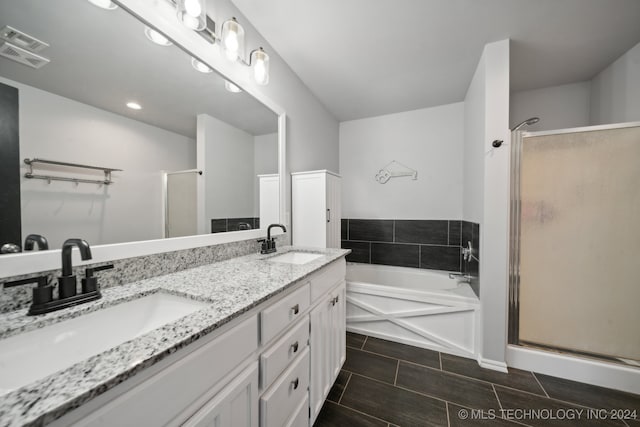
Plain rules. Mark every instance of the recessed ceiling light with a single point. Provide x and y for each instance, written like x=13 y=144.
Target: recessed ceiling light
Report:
x=156 y=37
x=203 y=68
x=134 y=105
x=104 y=4
x=231 y=87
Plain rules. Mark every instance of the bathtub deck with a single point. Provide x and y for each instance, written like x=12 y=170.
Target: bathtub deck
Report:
x=384 y=383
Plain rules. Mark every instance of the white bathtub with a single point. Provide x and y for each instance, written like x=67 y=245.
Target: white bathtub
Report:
x=418 y=307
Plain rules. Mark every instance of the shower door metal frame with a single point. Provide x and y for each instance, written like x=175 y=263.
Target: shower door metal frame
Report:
x=517 y=139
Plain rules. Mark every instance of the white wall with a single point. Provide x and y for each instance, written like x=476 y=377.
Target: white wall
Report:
x=494 y=229
x=474 y=132
x=429 y=140
x=225 y=155
x=57 y=128
x=558 y=107
x=486 y=191
x=615 y=92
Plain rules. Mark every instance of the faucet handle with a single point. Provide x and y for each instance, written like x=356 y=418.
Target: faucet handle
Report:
x=90 y=283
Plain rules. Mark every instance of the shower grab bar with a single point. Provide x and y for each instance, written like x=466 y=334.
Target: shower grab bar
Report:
x=107 y=172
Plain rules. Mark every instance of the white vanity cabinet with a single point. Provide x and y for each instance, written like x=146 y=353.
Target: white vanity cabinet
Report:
x=271 y=367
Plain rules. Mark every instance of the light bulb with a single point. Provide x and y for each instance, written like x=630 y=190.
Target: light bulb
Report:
x=134 y=105
x=259 y=71
x=193 y=7
x=192 y=14
x=233 y=39
x=156 y=37
x=104 y=4
x=260 y=64
x=231 y=45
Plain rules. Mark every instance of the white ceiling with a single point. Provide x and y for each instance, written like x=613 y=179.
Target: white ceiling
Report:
x=102 y=58
x=365 y=58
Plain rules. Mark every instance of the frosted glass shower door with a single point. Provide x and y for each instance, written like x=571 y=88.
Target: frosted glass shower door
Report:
x=580 y=242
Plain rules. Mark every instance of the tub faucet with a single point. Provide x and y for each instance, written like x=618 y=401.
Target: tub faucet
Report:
x=465 y=278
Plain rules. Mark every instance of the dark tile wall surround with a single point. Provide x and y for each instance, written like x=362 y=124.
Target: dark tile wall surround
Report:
x=430 y=244
x=222 y=225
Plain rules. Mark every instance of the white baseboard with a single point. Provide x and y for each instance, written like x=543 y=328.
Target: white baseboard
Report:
x=590 y=371
x=494 y=365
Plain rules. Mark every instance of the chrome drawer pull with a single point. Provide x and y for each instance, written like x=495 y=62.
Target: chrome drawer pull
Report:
x=294 y=346
x=295 y=383
x=296 y=309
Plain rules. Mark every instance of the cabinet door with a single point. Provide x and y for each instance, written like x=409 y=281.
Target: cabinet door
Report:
x=334 y=212
x=338 y=331
x=235 y=406
x=321 y=344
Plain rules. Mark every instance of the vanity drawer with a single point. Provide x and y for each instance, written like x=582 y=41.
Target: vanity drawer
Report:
x=301 y=416
x=327 y=278
x=282 y=398
x=281 y=354
x=276 y=318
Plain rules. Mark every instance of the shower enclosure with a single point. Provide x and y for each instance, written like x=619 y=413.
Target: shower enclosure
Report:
x=575 y=241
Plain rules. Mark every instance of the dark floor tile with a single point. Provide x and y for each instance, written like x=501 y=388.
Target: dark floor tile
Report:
x=374 y=230
x=446 y=386
x=334 y=415
x=440 y=258
x=405 y=352
x=355 y=340
x=393 y=404
x=455 y=233
x=589 y=395
x=542 y=411
x=433 y=232
x=371 y=365
x=522 y=380
x=360 y=251
x=338 y=387
x=343 y=228
x=401 y=255
x=463 y=417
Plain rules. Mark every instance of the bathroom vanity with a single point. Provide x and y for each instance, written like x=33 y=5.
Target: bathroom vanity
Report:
x=262 y=348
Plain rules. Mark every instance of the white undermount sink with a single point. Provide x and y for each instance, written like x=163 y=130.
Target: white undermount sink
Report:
x=29 y=356
x=294 y=257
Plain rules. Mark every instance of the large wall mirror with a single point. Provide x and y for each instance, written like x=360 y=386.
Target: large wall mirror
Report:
x=193 y=159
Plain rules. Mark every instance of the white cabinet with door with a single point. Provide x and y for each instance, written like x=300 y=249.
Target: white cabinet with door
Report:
x=328 y=346
x=316 y=209
x=269 y=194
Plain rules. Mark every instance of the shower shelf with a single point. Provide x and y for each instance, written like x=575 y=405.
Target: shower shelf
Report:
x=107 y=172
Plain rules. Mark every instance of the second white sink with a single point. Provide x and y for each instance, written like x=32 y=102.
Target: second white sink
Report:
x=294 y=257
x=27 y=357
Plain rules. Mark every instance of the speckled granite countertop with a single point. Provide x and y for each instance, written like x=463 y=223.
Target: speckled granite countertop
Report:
x=232 y=287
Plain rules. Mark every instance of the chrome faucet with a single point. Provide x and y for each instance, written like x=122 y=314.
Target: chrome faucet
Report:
x=464 y=278
x=269 y=244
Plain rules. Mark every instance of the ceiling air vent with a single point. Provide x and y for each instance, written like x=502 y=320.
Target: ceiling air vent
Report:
x=23 y=40
x=22 y=56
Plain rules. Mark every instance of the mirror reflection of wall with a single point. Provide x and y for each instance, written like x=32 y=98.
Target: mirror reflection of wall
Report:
x=74 y=109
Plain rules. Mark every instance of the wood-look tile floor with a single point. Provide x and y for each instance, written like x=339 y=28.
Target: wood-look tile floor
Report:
x=383 y=383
